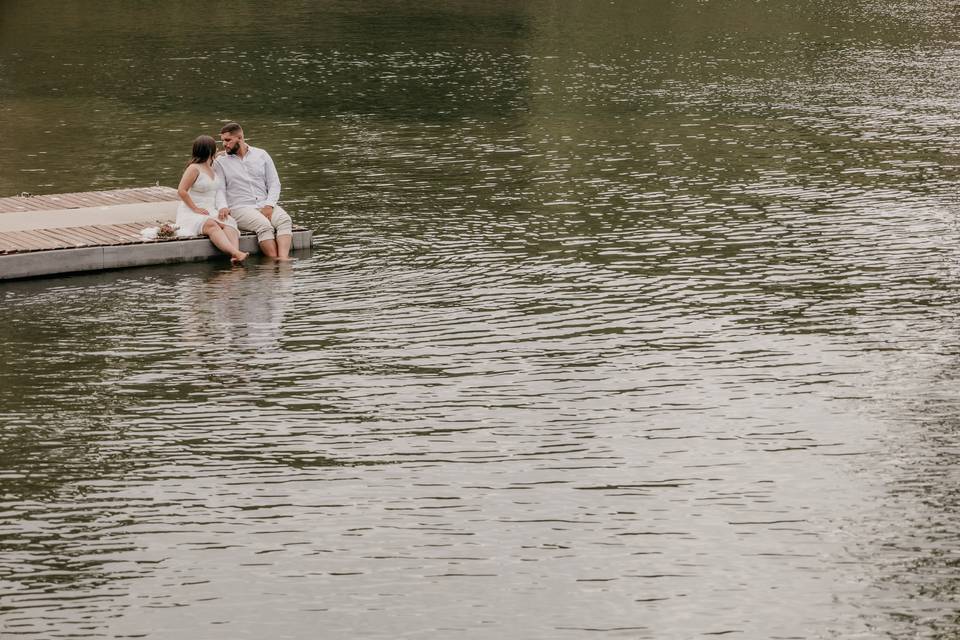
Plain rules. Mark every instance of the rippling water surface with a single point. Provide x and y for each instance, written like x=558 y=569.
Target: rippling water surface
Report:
x=632 y=319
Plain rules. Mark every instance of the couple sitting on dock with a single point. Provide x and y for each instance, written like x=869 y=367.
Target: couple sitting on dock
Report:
x=236 y=190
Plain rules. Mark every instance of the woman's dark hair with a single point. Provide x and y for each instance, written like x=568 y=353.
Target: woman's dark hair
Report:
x=204 y=148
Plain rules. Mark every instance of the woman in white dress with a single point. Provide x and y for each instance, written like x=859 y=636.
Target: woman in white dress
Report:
x=197 y=213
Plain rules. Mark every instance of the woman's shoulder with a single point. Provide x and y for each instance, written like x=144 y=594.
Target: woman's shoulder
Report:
x=191 y=172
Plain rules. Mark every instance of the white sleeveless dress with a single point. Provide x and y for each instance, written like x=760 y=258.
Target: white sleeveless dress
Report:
x=204 y=195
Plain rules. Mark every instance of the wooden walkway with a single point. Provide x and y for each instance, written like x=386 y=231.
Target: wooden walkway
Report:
x=76 y=232
x=97 y=235
x=83 y=235
x=86 y=199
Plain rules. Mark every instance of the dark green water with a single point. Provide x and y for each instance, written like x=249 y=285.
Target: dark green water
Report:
x=623 y=319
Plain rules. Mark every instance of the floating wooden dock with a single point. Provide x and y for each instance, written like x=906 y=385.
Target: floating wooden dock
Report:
x=72 y=232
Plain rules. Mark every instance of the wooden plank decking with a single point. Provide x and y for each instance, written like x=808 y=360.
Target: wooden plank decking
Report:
x=86 y=199
x=40 y=223
x=98 y=235
x=70 y=232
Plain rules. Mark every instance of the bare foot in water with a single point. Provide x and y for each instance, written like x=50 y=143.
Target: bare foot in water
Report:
x=283 y=259
x=238 y=257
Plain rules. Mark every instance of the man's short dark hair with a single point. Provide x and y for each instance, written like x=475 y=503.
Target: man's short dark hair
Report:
x=231 y=127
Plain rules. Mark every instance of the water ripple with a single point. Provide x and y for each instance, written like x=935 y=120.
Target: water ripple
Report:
x=630 y=330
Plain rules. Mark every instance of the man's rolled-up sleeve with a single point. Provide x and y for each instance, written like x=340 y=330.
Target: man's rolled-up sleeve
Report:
x=273 y=183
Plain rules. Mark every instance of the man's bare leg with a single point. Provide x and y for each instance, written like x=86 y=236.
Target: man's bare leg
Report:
x=284 y=243
x=269 y=248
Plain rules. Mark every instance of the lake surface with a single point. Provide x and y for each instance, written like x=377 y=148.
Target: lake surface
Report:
x=623 y=319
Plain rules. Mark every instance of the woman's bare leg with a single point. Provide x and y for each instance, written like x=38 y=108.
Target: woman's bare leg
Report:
x=233 y=235
x=221 y=241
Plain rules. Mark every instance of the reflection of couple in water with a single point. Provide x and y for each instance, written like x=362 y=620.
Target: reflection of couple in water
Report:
x=237 y=190
x=217 y=302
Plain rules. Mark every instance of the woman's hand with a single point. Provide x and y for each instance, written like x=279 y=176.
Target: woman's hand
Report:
x=223 y=213
x=202 y=211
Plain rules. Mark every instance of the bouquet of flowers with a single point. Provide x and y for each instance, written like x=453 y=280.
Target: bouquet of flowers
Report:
x=165 y=231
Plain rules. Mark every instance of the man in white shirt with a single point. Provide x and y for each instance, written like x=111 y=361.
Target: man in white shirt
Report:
x=249 y=190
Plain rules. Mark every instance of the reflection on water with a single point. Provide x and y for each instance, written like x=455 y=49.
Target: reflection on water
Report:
x=234 y=313
x=633 y=320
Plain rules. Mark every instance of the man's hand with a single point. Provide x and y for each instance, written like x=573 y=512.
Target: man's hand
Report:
x=267 y=211
x=223 y=213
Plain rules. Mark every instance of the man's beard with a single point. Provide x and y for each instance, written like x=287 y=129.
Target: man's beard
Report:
x=233 y=150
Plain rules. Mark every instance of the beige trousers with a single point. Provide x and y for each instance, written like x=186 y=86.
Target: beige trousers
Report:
x=250 y=219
